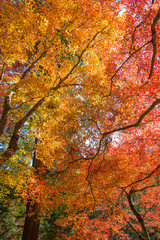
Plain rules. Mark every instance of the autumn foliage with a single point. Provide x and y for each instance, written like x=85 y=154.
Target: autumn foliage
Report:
x=80 y=115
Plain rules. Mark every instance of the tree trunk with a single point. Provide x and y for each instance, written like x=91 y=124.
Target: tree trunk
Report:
x=33 y=212
x=32 y=222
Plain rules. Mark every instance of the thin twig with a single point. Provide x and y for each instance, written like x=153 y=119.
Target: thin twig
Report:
x=111 y=79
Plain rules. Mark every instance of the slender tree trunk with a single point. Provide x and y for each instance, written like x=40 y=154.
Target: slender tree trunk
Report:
x=33 y=213
x=31 y=225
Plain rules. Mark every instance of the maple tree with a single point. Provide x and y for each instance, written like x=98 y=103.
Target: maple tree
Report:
x=80 y=117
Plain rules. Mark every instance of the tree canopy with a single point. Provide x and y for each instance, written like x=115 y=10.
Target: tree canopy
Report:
x=80 y=117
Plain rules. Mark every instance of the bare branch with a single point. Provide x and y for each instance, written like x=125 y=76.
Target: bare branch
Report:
x=140 y=180
x=79 y=59
x=104 y=135
x=144 y=188
x=111 y=79
x=141 y=23
x=153 y=29
x=7 y=100
x=83 y=159
x=137 y=215
x=92 y=158
x=2 y=73
x=103 y=158
x=13 y=108
x=153 y=41
x=142 y=116
x=94 y=199
x=92 y=120
x=131 y=226
x=33 y=65
x=6 y=109
x=13 y=144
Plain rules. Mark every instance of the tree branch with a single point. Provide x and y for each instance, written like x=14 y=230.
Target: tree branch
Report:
x=13 y=144
x=131 y=226
x=33 y=65
x=153 y=29
x=2 y=73
x=6 y=109
x=7 y=100
x=140 y=180
x=111 y=79
x=142 y=22
x=94 y=121
x=79 y=60
x=142 y=116
x=137 y=215
x=142 y=189
x=105 y=134
x=94 y=199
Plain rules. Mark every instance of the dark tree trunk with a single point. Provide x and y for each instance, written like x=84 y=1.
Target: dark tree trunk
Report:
x=33 y=212
x=32 y=222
